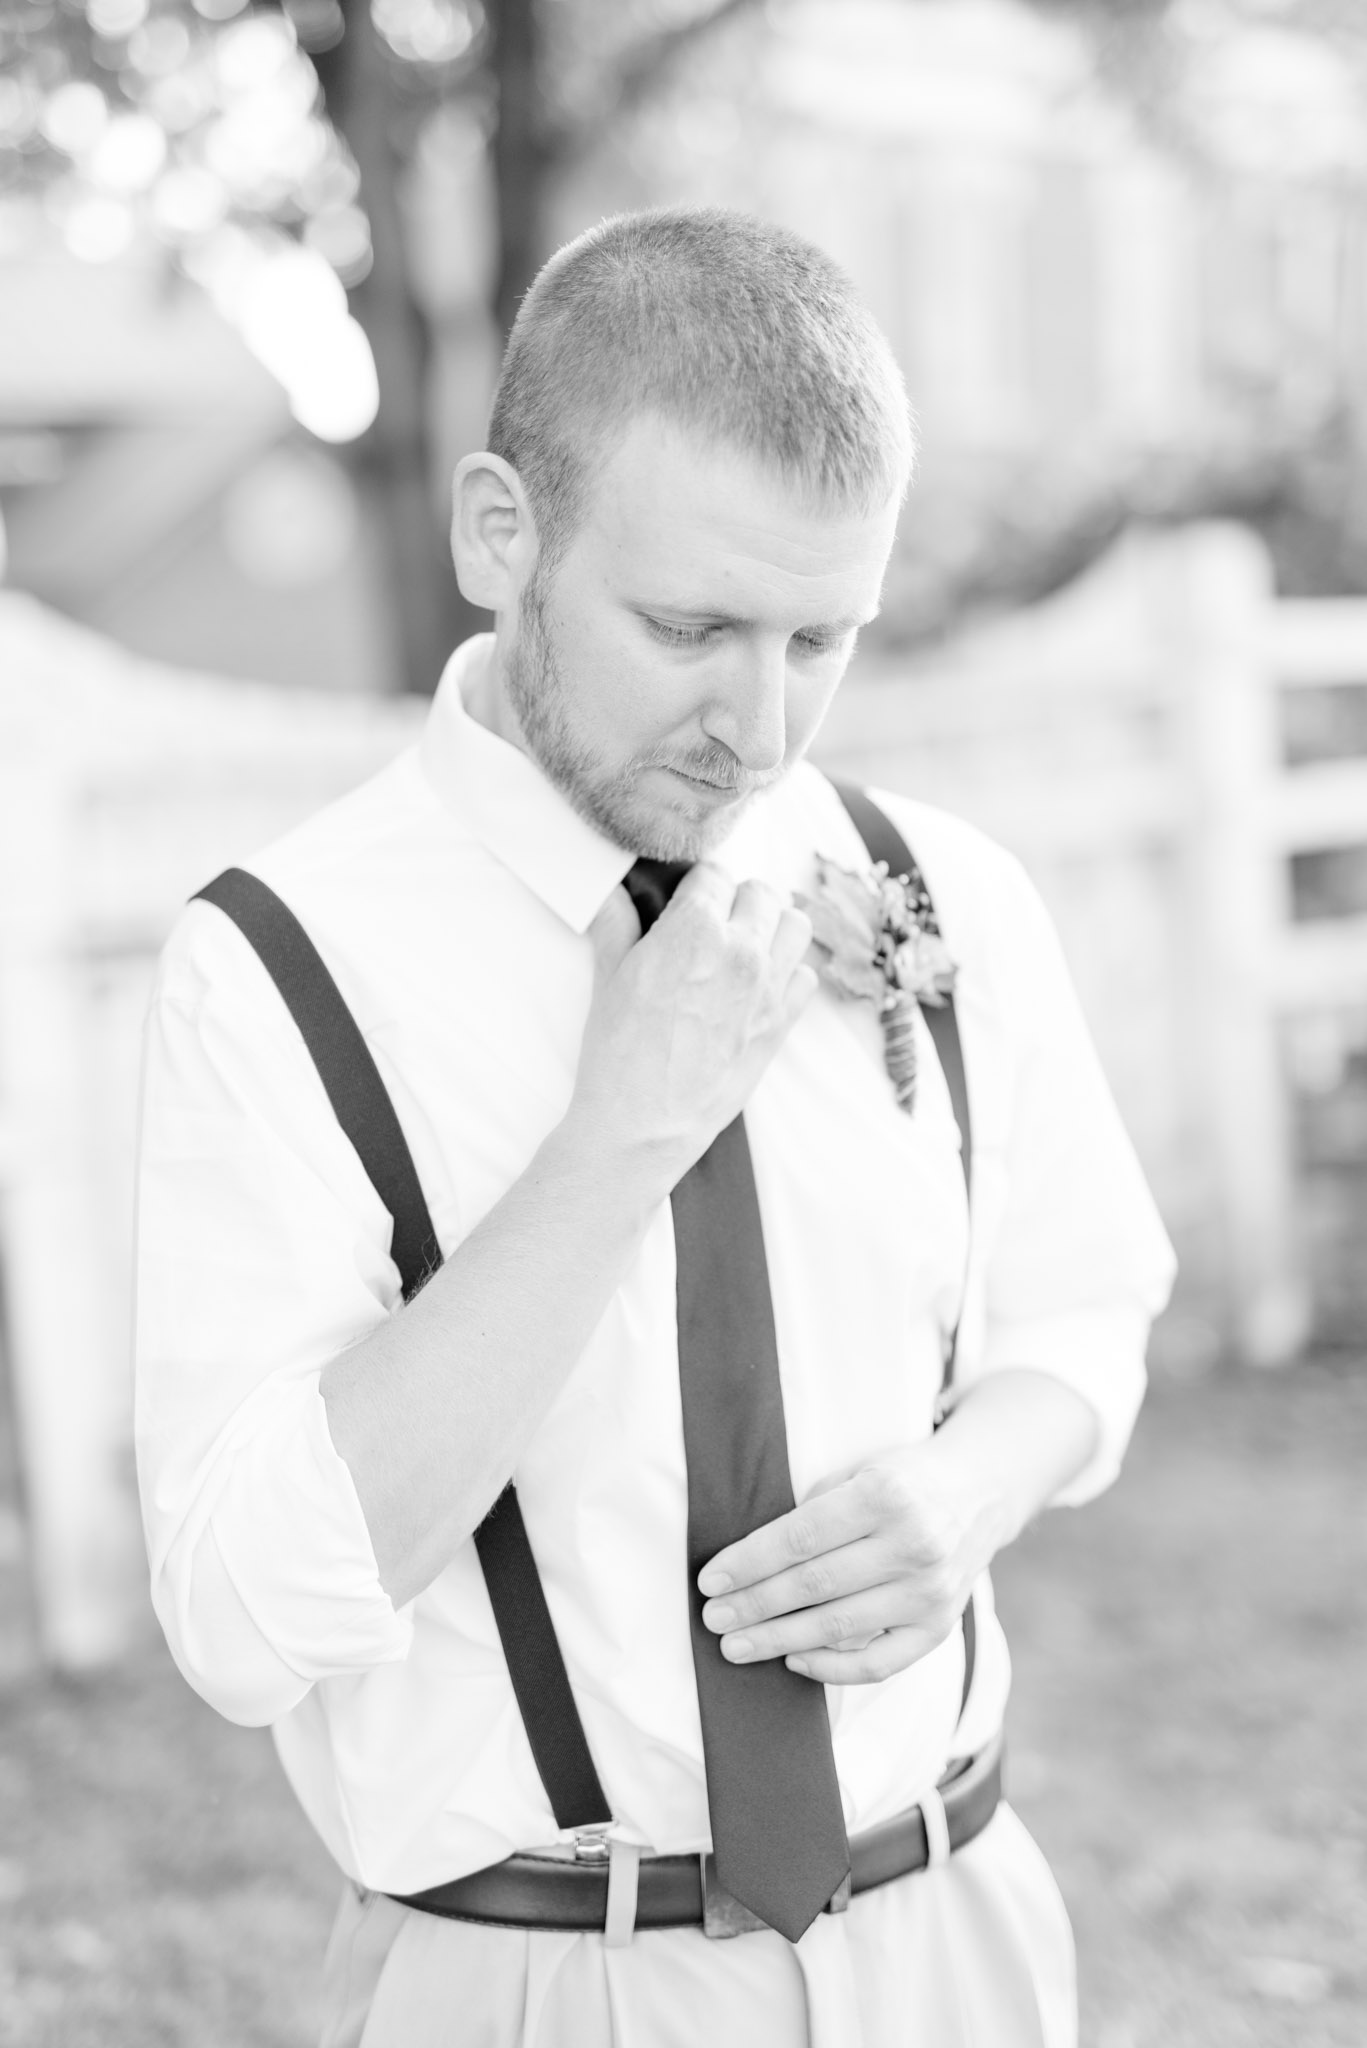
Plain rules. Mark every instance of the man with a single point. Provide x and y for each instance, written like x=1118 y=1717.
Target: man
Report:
x=697 y=453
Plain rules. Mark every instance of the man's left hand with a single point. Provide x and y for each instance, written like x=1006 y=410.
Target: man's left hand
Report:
x=875 y=1567
x=867 y=1576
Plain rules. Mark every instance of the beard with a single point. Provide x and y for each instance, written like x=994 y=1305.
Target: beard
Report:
x=615 y=798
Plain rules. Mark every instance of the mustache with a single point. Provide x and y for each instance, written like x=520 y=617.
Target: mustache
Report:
x=718 y=765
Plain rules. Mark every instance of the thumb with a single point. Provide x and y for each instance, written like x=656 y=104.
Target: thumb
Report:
x=614 y=932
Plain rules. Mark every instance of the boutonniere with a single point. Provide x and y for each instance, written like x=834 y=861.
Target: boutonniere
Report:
x=876 y=938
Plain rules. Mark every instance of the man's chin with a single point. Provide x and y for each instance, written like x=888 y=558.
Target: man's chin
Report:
x=678 y=831
x=651 y=812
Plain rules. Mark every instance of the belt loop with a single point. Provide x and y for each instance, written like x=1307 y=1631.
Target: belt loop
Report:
x=624 y=1869
x=937 y=1830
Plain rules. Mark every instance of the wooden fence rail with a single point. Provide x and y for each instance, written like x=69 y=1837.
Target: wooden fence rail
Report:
x=1127 y=740
x=122 y=788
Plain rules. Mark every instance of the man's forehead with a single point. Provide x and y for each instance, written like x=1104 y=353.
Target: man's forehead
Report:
x=676 y=505
x=686 y=467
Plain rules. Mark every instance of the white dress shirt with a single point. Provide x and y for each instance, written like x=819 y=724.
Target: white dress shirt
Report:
x=450 y=897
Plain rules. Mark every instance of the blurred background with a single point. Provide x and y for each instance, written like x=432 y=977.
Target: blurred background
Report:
x=256 y=263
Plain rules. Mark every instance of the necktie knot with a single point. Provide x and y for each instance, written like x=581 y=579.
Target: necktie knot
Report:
x=650 y=884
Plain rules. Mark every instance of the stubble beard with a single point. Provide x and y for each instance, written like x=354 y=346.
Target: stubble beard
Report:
x=612 y=798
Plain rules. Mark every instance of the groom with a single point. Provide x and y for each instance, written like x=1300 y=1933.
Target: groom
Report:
x=689 y=1270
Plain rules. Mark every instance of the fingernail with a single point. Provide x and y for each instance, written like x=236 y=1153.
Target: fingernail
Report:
x=737 y=1648
x=798 y=1664
x=721 y=1617
x=710 y=1582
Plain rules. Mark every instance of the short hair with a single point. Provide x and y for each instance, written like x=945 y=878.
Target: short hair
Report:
x=717 y=322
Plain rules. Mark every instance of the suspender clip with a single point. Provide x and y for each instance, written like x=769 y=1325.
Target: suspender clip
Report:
x=593 y=1844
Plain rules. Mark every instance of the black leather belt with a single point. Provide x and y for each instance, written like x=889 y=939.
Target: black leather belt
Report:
x=557 y=1891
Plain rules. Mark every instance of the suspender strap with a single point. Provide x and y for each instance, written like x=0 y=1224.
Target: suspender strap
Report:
x=359 y=1097
x=536 y=1665
x=342 y=1057
x=884 y=842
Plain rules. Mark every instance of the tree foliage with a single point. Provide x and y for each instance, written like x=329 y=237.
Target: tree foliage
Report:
x=1295 y=469
x=235 y=132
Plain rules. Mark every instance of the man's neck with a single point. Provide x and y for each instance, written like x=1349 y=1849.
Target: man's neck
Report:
x=487 y=701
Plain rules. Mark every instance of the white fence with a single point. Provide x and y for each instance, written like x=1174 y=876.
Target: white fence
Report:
x=1125 y=741
x=123 y=787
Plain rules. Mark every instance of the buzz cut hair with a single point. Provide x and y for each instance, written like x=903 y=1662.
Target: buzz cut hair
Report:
x=719 y=323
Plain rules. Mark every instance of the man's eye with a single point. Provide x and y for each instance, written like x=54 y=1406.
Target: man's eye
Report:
x=679 y=636
x=814 y=643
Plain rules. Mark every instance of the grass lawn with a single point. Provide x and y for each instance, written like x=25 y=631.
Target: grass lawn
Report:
x=1191 y=1659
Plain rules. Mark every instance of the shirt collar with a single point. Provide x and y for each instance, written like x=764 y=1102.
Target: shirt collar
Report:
x=503 y=798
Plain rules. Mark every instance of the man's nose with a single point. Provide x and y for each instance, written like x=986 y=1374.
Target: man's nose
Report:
x=749 y=712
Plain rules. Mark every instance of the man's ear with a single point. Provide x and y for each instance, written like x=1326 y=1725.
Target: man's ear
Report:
x=493 y=534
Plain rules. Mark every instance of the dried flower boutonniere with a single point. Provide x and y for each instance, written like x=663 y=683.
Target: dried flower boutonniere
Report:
x=877 y=938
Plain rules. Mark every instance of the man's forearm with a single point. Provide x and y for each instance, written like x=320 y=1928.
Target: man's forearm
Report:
x=1018 y=1436
x=431 y=1411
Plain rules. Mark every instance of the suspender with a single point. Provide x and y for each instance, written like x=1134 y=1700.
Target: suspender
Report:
x=362 y=1105
x=884 y=842
x=540 y=1682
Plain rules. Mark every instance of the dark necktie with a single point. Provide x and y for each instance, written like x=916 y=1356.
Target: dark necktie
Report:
x=778 y=1832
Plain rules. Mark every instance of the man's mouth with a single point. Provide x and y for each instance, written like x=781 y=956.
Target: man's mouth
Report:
x=742 y=785
x=720 y=789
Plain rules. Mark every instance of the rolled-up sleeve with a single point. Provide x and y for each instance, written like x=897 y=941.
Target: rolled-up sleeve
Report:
x=1070 y=1260
x=262 y=1252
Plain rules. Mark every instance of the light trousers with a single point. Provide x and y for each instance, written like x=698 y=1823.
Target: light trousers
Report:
x=975 y=1954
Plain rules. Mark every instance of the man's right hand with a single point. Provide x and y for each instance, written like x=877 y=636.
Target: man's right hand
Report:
x=683 y=1023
